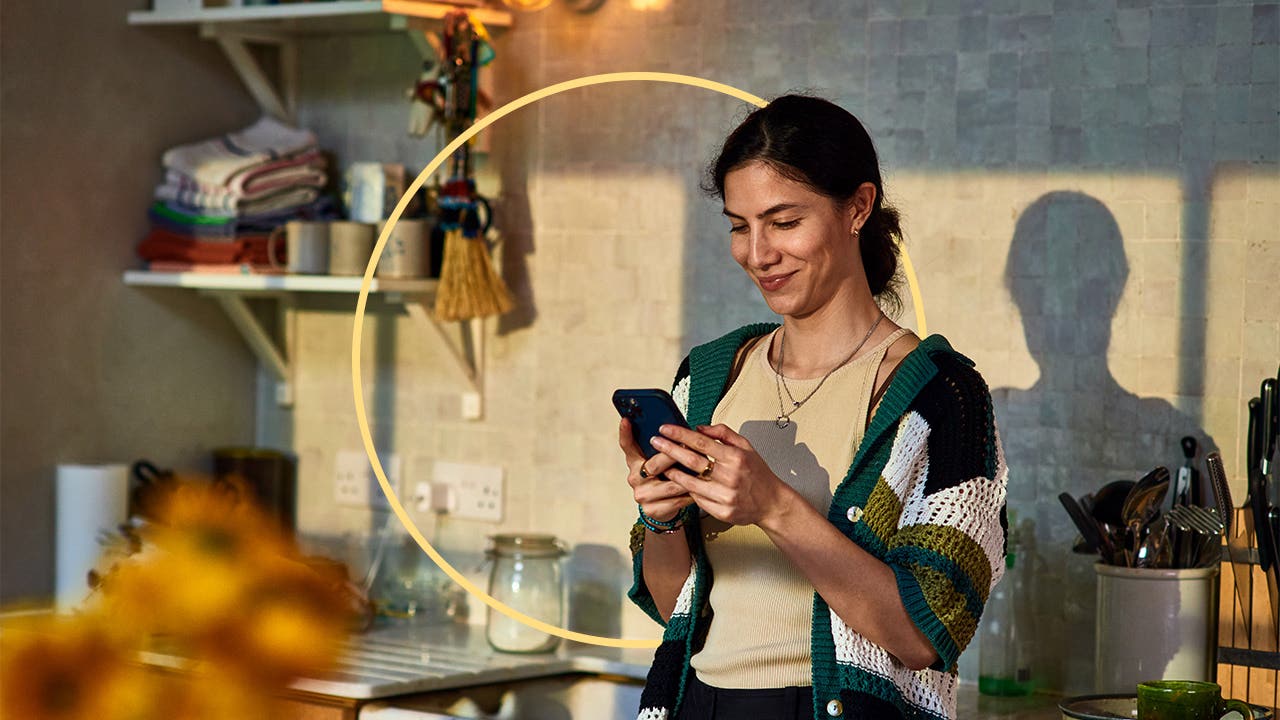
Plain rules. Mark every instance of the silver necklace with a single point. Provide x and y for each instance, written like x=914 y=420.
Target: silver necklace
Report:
x=784 y=415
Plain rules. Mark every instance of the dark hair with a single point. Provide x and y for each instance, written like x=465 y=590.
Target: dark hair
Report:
x=822 y=146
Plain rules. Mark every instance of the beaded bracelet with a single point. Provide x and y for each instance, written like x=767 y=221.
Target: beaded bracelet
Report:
x=662 y=526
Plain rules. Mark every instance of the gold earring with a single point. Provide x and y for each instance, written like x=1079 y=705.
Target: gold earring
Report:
x=855 y=233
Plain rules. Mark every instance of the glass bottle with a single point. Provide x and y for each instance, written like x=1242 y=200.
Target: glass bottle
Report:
x=525 y=577
x=1004 y=654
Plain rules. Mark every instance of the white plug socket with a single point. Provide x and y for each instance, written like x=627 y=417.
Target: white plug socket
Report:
x=476 y=490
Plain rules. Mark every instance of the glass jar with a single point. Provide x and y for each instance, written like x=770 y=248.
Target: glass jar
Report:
x=408 y=584
x=525 y=577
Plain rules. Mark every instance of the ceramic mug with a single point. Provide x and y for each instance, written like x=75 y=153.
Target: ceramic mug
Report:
x=306 y=247
x=405 y=255
x=1185 y=700
x=350 y=245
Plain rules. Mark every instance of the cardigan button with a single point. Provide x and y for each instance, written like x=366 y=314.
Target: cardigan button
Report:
x=854 y=514
x=835 y=708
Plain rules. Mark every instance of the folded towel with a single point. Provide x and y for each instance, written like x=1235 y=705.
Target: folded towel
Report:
x=174 y=266
x=279 y=172
x=216 y=204
x=161 y=244
x=216 y=160
x=288 y=199
x=305 y=169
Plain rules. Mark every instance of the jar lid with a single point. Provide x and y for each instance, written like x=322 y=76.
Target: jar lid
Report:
x=526 y=544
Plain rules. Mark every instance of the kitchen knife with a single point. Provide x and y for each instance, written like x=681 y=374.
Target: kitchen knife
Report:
x=1269 y=420
x=1086 y=525
x=1258 y=521
x=1219 y=490
x=1255 y=515
x=1266 y=400
x=1259 y=513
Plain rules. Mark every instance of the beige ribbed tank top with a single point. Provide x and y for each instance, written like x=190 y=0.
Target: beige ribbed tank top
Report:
x=763 y=605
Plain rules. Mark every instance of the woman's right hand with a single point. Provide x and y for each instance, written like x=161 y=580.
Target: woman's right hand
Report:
x=660 y=498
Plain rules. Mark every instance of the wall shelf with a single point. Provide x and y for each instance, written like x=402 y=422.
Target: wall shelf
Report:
x=236 y=28
x=322 y=17
x=231 y=292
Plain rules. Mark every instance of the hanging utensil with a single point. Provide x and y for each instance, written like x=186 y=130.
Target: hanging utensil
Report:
x=1107 y=509
x=1261 y=468
x=1085 y=524
x=1141 y=506
x=1108 y=502
x=1257 y=522
x=1237 y=542
x=1153 y=552
x=1202 y=530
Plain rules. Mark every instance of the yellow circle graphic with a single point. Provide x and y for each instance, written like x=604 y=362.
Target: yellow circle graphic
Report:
x=357 y=331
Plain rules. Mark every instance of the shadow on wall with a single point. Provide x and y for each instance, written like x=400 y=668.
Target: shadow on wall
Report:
x=1076 y=428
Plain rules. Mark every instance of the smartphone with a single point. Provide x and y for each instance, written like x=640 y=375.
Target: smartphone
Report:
x=648 y=409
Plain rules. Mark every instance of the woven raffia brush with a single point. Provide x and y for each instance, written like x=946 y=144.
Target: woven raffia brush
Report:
x=469 y=286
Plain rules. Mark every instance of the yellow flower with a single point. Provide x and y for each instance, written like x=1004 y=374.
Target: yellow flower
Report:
x=217 y=581
x=70 y=669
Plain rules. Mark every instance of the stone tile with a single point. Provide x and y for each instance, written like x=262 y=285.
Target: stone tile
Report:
x=1003 y=70
x=1033 y=108
x=1202 y=26
x=1235 y=25
x=1263 y=101
x=913 y=73
x=1164 y=66
x=1067 y=31
x=1133 y=28
x=1004 y=33
x=971 y=70
x=1266 y=24
x=1199 y=65
x=972 y=31
x=1233 y=64
x=1169 y=27
x=1265 y=69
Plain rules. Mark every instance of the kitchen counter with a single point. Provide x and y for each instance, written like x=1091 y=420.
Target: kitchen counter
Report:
x=410 y=660
x=402 y=658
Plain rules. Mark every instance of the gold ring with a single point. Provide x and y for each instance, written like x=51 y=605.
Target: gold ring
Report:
x=706 y=471
x=644 y=474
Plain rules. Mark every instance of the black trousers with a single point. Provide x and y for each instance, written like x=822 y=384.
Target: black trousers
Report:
x=704 y=702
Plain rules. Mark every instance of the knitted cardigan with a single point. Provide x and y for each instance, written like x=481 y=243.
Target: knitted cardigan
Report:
x=925 y=495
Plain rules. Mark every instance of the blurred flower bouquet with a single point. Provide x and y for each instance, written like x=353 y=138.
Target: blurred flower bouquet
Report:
x=210 y=579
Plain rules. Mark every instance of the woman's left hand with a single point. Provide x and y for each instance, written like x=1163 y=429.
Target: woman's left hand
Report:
x=739 y=489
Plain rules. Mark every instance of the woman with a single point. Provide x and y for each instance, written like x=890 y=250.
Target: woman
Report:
x=849 y=495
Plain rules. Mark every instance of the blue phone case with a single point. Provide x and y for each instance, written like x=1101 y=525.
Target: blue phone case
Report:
x=648 y=409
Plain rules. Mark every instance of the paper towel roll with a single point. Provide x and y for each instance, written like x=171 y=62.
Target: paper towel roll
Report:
x=90 y=499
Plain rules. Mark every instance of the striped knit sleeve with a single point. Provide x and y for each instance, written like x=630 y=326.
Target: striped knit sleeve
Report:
x=639 y=592
x=947 y=467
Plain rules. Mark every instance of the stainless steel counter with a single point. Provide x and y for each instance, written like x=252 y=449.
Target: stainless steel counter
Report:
x=406 y=658
x=398 y=661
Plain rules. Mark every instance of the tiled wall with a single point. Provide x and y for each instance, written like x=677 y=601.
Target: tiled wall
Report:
x=1090 y=194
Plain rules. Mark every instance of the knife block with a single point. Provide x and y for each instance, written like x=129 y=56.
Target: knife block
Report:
x=1248 y=645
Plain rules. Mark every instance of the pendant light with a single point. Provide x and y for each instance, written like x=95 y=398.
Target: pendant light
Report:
x=579 y=6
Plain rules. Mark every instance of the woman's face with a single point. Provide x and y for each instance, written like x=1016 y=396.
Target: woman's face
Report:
x=795 y=244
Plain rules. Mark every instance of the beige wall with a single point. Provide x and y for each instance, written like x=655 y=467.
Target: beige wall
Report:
x=1133 y=304
x=93 y=371
x=1136 y=304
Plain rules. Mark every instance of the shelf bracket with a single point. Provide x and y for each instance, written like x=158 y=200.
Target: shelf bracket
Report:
x=281 y=103
x=427 y=43
x=472 y=368
x=259 y=340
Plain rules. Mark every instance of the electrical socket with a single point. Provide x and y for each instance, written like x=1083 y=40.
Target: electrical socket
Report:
x=355 y=484
x=477 y=489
